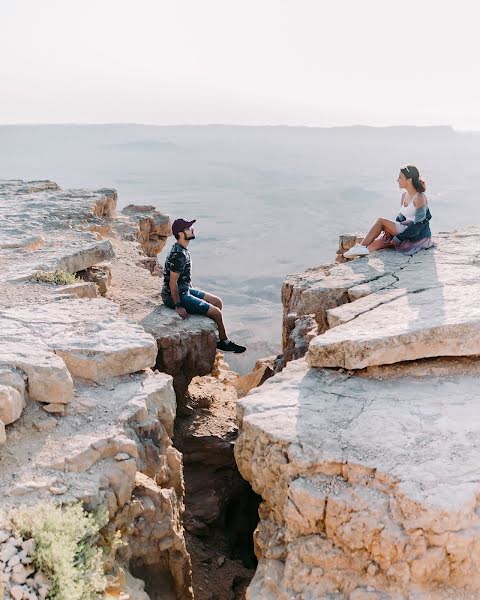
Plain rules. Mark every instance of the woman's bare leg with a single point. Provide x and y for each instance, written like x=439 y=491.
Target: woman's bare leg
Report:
x=379 y=244
x=377 y=228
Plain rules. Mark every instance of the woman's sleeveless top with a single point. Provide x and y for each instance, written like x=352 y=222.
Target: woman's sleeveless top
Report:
x=409 y=211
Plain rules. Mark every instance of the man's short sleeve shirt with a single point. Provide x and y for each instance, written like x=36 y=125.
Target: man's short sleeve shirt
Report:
x=178 y=261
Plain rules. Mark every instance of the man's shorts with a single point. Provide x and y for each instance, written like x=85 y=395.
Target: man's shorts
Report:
x=192 y=301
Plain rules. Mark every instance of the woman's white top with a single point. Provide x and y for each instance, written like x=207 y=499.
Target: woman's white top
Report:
x=409 y=211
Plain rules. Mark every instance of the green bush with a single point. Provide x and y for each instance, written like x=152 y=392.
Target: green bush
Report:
x=66 y=548
x=57 y=277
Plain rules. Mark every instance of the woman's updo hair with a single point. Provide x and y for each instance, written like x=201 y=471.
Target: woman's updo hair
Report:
x=411 y=172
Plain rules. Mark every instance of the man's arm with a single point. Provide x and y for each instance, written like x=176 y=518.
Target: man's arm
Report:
x=175 y=294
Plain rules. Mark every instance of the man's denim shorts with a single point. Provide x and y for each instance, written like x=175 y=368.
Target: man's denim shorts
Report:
x=192 y=301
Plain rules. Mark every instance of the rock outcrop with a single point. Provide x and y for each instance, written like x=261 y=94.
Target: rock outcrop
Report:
x=43 y=228
x=369 y=475
x=102 y=434
x=88 y=336
x=186 y=348
x=153 y=227
x=423 y=307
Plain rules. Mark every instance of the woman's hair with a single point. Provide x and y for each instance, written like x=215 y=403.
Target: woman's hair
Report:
x=411 y=172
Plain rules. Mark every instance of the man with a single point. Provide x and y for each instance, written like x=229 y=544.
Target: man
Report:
x=177 y=292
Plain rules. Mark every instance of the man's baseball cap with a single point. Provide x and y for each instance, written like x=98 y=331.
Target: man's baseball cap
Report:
x=180 y=225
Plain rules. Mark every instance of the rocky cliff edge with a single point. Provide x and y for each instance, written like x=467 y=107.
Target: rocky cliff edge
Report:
x=365 y=451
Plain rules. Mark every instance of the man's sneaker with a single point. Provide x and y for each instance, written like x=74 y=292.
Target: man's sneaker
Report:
x=357 y=250
x=230 y=347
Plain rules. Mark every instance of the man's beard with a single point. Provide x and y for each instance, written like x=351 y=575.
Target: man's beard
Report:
x=190 y=238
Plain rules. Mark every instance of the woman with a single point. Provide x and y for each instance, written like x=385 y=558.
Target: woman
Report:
x=410 y=232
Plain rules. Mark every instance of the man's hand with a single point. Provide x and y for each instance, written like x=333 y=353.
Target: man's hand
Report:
x=181 y=312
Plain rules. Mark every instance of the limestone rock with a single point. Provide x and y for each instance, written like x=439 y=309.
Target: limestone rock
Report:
x=88 y=336
x=81 y=290
x=185 y=347
x=78 y=462
x=11 y=404
x=371 y=304
x=3 y=435
x=319 y=289
x=345 y=242
x=368 y=485
x=41 y=228
x=262 y=371
x=100 y=275
x=48 y=377
x=12 y=377
x=153 y=227
x=299 y=332
x=346 y=312
x=443 y=321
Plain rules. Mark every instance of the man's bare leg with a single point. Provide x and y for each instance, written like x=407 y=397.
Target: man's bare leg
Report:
x=216 y=314
x=214 y=300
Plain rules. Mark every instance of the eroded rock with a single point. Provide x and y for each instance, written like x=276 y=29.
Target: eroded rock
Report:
x=185 y=347
x=153 y=227
x=12 y=404
x=41 y=228
x=88 y=336
x=81 y=290
x=368 y=485
x=79 y=461
x=100 y=275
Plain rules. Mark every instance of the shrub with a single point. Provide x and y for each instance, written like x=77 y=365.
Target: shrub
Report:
x=66 y=548
x=57 y=277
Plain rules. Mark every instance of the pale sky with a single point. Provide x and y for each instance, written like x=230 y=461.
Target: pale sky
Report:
x=249 y=62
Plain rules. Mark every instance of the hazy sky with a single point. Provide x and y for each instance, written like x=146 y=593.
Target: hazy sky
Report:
x=298 y=62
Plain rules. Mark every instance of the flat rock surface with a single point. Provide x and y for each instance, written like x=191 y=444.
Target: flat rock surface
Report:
x=367 y=482
x=88 y=335
x=426 y=306
x=163 y=322
x=45 y=228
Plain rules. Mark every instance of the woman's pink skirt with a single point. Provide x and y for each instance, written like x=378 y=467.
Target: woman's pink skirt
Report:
x=406 y=247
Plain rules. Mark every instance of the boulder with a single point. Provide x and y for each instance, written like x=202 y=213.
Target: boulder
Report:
x=12 y=404
x=48 y=378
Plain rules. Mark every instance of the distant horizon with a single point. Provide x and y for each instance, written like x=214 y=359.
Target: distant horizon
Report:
x=243 y=125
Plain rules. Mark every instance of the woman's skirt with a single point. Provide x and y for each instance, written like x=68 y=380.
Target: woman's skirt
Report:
x=408 y=247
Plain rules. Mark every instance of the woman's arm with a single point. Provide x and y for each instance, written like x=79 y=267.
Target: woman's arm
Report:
x=420 y=204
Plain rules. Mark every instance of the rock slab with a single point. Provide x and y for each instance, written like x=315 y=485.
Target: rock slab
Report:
x=368 y=485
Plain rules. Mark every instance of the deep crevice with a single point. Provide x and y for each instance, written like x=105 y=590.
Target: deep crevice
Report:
x=221 y=514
